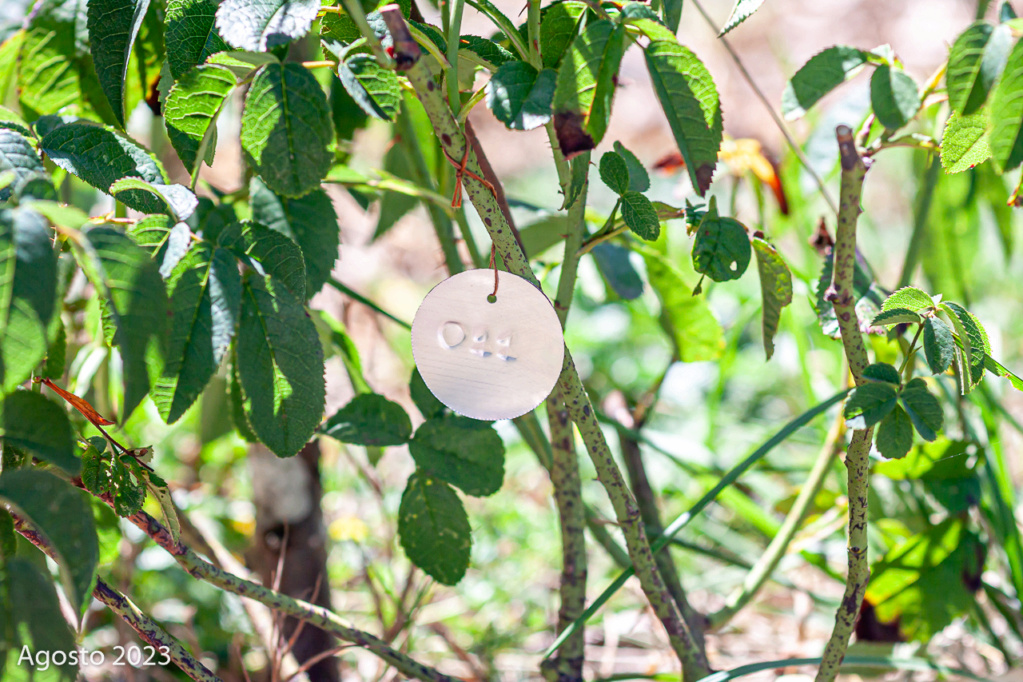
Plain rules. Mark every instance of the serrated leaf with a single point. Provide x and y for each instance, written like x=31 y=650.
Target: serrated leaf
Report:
x=374 y=88
x=559 y=25
x=370 y=419
x=614 y=264
x=310 y=221
x=268 y=251
x=964 y=143
x=520 y=97
x=113 y=26
x=646 y=20
x=639 y=179
x=691 y=104
x=100 y=156
x=28 y=293
x=486 y=50
x=895 y=434
x=972 y=339
x=280 y=366
x=892 y=316
x=191 y=110
x=869 y=403
x=205 y=296
x=721 y=249
x=34 y=602
x=191 y=36
x=434 y=529
x=237 y=402
x=259 y=25
x=893 y=96
x=1006 y=111
x=742 y=11
x=824 y=72
x=938 y=344
x=424 y=399
x=30 y=422
x=908 y=298
x=287 y=129
x=923 y=409
x=180 y=201
x=688 y=320
x=614 y=173
x=18 y=157
x=640 y=216
x=62 y=514
x=135 y=298
x=974 y=64
x=882 y=371
x=50 y=63
x=586 y=85
x=10 y=47
x=461 y=451
x=775 y=289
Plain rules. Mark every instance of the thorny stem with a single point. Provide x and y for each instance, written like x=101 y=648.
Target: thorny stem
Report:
x=148 y=630
x=407 y=54
x=857 y=461
x=318 y=616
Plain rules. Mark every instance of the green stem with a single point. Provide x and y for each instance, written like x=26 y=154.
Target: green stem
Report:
x=485 y=201
x=533 y=33
x=454 y=29
x=857 y=461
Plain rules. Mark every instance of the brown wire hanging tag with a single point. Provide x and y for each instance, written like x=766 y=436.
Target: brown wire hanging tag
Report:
x=493 y=266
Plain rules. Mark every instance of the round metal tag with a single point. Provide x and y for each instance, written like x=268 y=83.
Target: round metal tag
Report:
x=488 y=360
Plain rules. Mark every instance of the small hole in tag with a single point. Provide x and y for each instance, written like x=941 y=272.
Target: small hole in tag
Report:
x=491 y=298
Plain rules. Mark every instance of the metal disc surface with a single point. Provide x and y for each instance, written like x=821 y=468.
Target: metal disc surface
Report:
x=488 y=360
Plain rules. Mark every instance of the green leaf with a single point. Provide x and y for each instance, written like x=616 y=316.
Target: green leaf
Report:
x=1006 y=111
x=639 y=179
x=646 y=20
x=18 y=157
x=945 y=560
x=28 y=293
x=869 y=403
x=374 y=88
x=908 y=298
x=964 y=143
x=974 y=64
x=893 y=96
x=370 y=419
x=640 y=216
x=691 y=104
x=310 y=221
x=938 y=344
x=287 y=128
x=51 y=63
x=29 y=421
x=205 y=296
x=775 y=289
x=824 y=72
x=242 y=64
x=586 y=86
x=34 y=603
x=10 y=47
x=559 y=25
x=946 y=469
x=463 y=452
x=613 y=262
x=434 y=528
x=673 y=14
x=237 y=401
x=100 y=156
x=136 y=299
x=520 y=97
x=742 y=11
x=895 y=435
x=280 y=366
x=489 y=51
x=882 y=371
x=972 y=338
x=424 y=399
x=180 y=201
x=62 y=514
x=268 y=251
x=259 y=25
x=614 y=172
x=923 y=409
x=721 y=249
x=191 y=37
x=688 y=320
x=191 y=109
x=113 y=26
